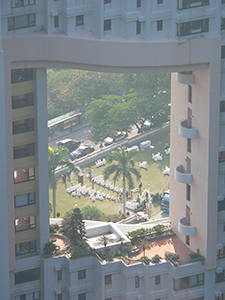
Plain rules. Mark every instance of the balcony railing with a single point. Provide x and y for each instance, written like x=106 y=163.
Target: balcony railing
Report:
x=187 y=132
x=182 y=177
x=185 y=228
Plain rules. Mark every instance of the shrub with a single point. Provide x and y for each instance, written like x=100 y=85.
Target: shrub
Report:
x=145 y=260
x=194 y=255
x=175 y=257
x=158 y=228
x=53 y=228
x=156 y=259
x=50 y=248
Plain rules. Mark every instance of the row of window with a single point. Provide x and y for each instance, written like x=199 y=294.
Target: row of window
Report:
x=138 y=2
x=188 y=282
x=28 y=275
x=19 y=3
x=22 y=21
x=184 y=4
x=29 y=296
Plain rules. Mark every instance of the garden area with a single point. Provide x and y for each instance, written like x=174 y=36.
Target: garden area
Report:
x=152 y=178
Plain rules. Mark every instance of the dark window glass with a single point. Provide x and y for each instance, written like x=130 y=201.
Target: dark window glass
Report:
x=159 y=1
x=56 y=21
x=59 y=275
x=138 y=27
x=193 y=27
x=222 y=27
x=25 y=223
x=159 y=25
x=24 y=175
x=222 y=106
x=107 y=24
x=82 y=296
x=221 y=253
x=189 y=145
x=80 y=20
x=138 y=3
x=25 y=248
x=184 y=4
x=22 y=297
x=21 y=75
x=19 y=3
x=59 y=296
x=107 y=1
x=157 y=279
x=222 y=1
x=220 y=277
x=23 y=151
x=188 y=240
x=137 y=282
x=221 y=205
x=188 y=192
x=24 y=199
x=23 y=21
x=108 y=279
x=28 y=275
x=188 y=282
x=81 y=274
x=189 y=93
x=22 y=100
x=23 y=126
x=221 y=156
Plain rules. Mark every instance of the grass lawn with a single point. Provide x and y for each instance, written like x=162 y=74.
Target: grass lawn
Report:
x=152 y=177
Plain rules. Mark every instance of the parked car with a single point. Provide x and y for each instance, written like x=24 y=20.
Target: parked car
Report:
x=118 y=136
x=69 y=143
x=81 y=151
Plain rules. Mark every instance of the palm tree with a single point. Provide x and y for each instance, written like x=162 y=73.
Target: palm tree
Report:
x=123 y=166
x=56 y=159
x=144 y=244
x=104 y=239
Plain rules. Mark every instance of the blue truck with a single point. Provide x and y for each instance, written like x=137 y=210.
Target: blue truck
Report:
x=164 y=205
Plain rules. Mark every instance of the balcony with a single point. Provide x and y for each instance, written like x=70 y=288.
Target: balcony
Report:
x=187 y=132
x=182 y=177
x=185 y=78
x=186 y=228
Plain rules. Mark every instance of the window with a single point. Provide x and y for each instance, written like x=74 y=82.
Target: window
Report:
x=136 y=282
x=183 y=4
x=59 y=296
x=108 y=298
x=107 y=24
x=220 y=277
x=22 y=21
x=81 y=274
x=21 y=75
x=24 y=175
x=221 y=205
x=221 y=253
x=222 y=297
x=189 y=93
x=108 y=279
x=82 y=296
x=80 y=20
x=222 y=1
x=159 y=25
x=18 y=3
x=189 y=145
x=28 y=275
x=222 y=106
x=221 y=156
x=107 y=1
x=138 y=27
x=222 y=27
x=25 y=223
x=157 y=279
x=188 y=282
x=56 y=21
x=192 y=27
x=159 y=1
x=29 y=296
x=22 y=100
x=138 y=3
x=24 y=199
x=188 y=192
x=59 y=275
x=23 y=126
x=188 y=240
x=25 y=248
x=23 y=151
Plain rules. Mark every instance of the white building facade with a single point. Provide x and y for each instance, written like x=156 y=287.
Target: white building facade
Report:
x=184 y=37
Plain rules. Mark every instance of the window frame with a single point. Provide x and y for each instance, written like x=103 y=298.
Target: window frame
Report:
x=108 y=279
x=107 y=1
x=107 y=25
x=221 y=253
x=24 y=101
x=184 y=282
x=138 y=3
x=30 y=200
x=138 y=27
x=79 y=20
x=159 y=25
x=27 y=276
x=31 y=223
x=137 y=282
x=159 y=1
x=189 y=2
x=187 y=29
x=56 y=21
x=157 y=279
x=82 y=296
x=221 y=156
x=23 y=126
x=81 y=274
x=30 y=22
x=21 y=75
x=21 y=3
x=27 y=171
x=59 y=274
x=31 y=248
x=23 y=151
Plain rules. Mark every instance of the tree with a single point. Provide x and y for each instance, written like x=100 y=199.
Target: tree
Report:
x=51 y=248
x=104 y=239
x=73 y=226
x=144 y=244
x=91 y=213
x=123 y=166
x=56 y=159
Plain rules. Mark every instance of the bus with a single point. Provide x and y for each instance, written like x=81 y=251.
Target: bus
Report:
x=164 y=205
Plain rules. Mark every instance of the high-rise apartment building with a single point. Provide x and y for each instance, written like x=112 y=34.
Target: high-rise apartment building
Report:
x=184 y=37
